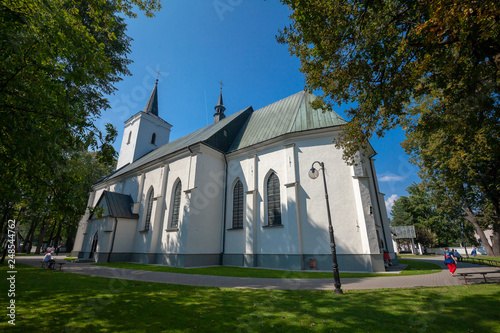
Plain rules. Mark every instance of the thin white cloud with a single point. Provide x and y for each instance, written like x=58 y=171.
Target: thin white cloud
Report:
x=390 y=202
x=391 y=178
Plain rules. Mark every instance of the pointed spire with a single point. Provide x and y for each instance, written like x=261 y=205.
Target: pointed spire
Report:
x=152 y=104
x=219 y=108
x=221 y=103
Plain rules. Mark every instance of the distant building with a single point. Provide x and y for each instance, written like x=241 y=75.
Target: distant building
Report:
x=237 y=192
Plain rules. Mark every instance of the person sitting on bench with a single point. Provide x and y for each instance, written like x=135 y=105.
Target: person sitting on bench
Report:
x=457 y=255
x=48 y=259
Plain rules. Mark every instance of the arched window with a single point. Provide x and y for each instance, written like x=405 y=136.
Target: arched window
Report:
x=238 y=205
x=273 y=200
x=153 y=138
x=176 y=205
x=129 y=137
x=147 y=223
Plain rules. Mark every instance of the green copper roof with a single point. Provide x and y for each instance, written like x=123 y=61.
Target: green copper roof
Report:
x=246 y=128
x=291 y=114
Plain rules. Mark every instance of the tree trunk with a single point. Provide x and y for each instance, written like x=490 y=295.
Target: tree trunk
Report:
x=58 y=233
x=472 y=219
x=52 y=230
x=40 y=237
x=29 y=237
x=70 y=234
x=496 y=243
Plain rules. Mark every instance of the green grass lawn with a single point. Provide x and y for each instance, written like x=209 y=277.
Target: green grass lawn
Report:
x=52 y=301
x=414 y=268
x=409 y=256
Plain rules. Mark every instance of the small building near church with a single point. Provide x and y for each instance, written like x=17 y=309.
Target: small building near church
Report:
x=237 y=193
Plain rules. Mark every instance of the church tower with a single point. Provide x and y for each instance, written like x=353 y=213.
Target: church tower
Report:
x=219 y=108
x=144 y=132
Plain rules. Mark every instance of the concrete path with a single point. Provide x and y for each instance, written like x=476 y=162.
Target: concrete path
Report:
x=442 y=278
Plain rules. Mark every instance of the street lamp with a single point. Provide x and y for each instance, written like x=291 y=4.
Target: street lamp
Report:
x=313 y=174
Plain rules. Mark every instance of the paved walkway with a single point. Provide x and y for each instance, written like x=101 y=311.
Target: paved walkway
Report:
x=442 y=278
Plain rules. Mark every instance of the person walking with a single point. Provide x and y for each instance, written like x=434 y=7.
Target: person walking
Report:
x=450 y=261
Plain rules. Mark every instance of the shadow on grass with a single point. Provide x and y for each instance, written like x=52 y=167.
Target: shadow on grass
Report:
x=413 y=268
x=63 y=302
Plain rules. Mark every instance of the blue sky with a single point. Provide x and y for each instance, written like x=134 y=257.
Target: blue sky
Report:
x=194 y=44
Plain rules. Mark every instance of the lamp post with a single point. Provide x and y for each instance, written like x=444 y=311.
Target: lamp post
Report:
x=313 y=174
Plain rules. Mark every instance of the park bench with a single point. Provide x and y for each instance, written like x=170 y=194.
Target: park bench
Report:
x=474 y=273
x=46 y=265
x=53 y=267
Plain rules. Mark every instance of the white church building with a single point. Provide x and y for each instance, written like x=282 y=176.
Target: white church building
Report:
x=237 y=192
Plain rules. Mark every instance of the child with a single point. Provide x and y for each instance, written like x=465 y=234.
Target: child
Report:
x=450 y=261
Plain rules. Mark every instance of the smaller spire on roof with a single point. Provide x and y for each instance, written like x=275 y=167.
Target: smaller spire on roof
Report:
x=152 y=104
x=219 y=108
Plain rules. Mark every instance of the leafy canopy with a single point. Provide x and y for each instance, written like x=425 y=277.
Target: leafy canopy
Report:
x=58 y=59
x=432 y=67
x=384 y=55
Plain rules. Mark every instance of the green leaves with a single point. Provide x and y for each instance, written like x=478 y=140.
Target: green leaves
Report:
x=58 y=59
x=432 y=67
x=382 y=55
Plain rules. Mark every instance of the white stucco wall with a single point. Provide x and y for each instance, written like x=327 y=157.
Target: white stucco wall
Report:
x=205 y=203
x=304 y=214
x=174 y=241
x=124 y=238
x=149 y=181
x=102 y=226
x=142 y=126
x=291 y=161
x=341 y=198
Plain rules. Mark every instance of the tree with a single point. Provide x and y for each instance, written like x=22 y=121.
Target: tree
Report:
x=71 y=187
x=439 y=213
x=58 y=59
x=436 y=223
x=382 y=55
x=466 y=163
x=432 y=67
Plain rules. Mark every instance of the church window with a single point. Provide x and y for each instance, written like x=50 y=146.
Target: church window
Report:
x=238 y=205
x=153 y=138
x=273 y=200
x=176 y=205
x=129 y=137
x=147 y=223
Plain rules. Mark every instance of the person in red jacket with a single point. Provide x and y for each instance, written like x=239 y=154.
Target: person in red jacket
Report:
x=450 y=261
